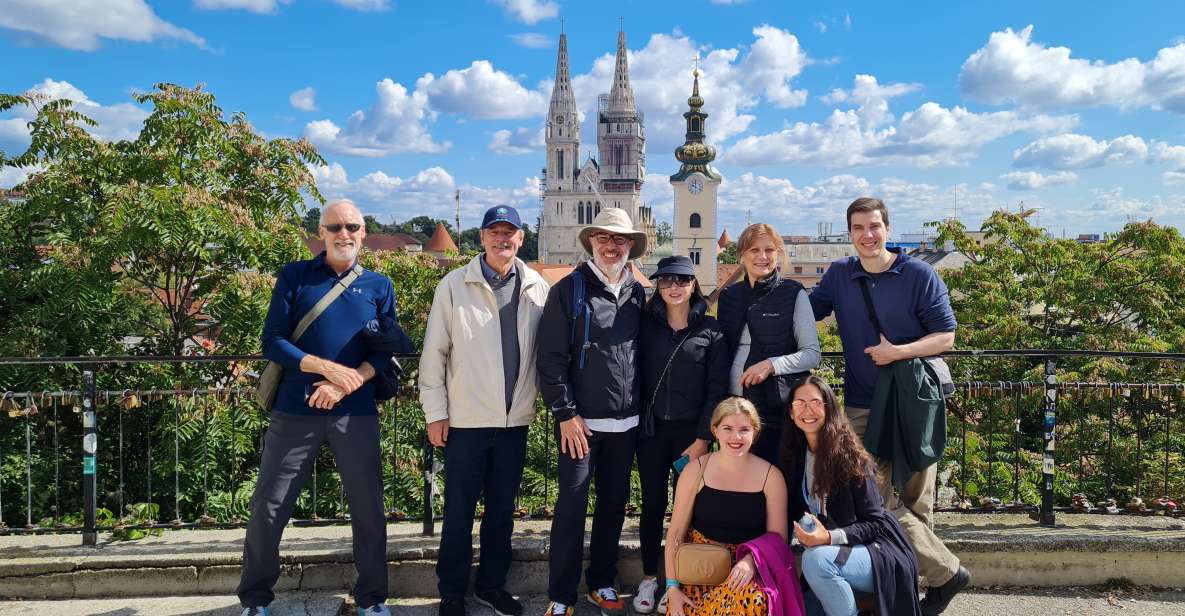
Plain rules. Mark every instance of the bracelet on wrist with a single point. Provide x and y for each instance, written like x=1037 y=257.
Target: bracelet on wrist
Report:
x=672 y=583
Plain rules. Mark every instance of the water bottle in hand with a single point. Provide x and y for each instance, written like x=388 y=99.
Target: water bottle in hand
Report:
x=807 y=523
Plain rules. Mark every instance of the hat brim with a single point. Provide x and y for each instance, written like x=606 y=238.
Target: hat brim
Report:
x=639 y=238
x=679 y=270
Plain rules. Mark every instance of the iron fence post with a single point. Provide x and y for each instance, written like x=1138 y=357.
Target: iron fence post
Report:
x=90 y=446
x=1048 y=467
x=429 y=480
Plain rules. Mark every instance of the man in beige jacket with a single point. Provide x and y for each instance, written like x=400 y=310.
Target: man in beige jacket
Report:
x=477 y=386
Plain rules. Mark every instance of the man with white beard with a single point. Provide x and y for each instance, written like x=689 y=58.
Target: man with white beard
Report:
x=588 y=375
x=325 y=395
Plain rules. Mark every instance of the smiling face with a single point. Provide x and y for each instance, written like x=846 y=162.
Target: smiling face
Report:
x=501 y=241
x=341 y=246
x=735 y=433
x=760 y=258
x=610 y=252
x=869 y=233
x=808 y=410
x=676 y=290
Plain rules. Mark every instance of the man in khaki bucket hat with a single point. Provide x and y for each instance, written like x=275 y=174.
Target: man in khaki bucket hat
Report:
x=588 y=375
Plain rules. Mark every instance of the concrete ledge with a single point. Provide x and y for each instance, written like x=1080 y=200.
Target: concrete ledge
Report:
x=999 y=549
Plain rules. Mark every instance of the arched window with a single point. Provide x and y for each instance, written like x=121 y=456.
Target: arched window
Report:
x=580 y=213
x=598 y=208
x=695 y=222
x=695 y=125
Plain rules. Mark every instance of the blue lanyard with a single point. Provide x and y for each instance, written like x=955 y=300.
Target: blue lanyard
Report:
x=811 y=504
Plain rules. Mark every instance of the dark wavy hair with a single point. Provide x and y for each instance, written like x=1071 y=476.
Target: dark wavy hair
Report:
x=840 y=457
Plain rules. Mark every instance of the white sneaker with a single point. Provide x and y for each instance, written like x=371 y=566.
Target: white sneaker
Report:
x=662 y=603
x=644 y=600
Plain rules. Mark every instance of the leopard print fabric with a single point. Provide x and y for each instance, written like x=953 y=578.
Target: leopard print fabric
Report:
x=722 y=600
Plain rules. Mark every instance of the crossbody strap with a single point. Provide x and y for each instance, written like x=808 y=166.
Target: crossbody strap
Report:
x=339 y=287
x=868 y=305
x=658 y=385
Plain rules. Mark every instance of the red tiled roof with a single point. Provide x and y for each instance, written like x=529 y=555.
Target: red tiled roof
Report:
x=441 y=241
x=724 y=240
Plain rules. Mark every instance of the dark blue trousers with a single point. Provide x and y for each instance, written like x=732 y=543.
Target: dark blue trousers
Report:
x=479 y=462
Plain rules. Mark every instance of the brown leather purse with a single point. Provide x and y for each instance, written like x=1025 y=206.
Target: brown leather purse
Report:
x=702 y=564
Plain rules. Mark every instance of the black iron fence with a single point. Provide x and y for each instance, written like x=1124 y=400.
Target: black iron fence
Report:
x=92 y=455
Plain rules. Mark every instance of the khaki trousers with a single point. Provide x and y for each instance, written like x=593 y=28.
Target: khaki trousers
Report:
x=914 y=509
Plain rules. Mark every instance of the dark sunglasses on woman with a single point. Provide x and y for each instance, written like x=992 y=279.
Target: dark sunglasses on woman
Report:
x=681 y=281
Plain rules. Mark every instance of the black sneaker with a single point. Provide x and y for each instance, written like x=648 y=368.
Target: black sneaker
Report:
x=500 y=601
x=939 y=597
x=451 y=606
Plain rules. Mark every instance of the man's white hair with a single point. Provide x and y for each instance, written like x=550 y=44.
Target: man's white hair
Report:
x=343 y=202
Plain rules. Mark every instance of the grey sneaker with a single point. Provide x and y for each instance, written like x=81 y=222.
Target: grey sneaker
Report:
x=256 y=611
x=378 y=609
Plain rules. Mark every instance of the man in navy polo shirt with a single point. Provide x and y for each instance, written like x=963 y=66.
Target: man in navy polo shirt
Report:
x=913 y=306
x=325 y=395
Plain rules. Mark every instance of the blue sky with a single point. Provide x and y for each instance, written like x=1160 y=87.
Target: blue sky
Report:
x=1075 y=108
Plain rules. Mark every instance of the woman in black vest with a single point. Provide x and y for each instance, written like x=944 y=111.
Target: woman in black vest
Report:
x=684 y=369
x=771 y=333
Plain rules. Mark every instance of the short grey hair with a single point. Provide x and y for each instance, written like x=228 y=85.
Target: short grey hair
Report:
x=336 y=203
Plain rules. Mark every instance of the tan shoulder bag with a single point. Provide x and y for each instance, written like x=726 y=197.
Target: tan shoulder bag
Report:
x=702 y=564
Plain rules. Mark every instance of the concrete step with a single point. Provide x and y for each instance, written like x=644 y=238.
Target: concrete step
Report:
x=999 y=549
x=1012 y=602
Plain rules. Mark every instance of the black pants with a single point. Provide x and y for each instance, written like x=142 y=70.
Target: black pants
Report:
x=479 y=462
x=610 y=456
x=289 y=448
x=655 y=455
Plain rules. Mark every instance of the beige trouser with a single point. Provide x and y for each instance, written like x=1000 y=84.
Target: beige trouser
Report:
x=914 y=509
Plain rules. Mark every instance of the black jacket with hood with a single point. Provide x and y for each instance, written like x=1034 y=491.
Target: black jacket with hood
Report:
x=608 y=387
x=697 y=379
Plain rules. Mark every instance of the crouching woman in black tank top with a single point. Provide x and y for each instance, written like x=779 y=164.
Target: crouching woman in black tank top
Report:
x=728 y=497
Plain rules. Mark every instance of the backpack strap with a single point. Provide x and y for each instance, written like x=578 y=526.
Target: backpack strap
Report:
x=579 y=306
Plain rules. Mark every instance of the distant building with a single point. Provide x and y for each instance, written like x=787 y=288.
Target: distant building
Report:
x=377 y=242
x=573 y=194
x=695 y=186
x=441 y=242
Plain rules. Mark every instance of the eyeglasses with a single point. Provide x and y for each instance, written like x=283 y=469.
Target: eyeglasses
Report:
x=352 y=227
x=814 y=404
x=672 y=280
x=604 y=238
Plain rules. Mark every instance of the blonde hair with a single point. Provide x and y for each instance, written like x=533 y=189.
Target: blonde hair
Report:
x=736 y=405
x=756 y=230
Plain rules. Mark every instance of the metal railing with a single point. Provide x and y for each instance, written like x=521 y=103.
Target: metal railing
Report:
x=183 y=456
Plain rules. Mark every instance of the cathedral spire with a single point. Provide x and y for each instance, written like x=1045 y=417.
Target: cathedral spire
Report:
x=621 y=97
x=562 y=99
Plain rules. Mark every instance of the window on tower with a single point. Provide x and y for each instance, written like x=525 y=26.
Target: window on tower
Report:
x=693 y=254
x=695 y=222
x=695 y=126
x=559 y=155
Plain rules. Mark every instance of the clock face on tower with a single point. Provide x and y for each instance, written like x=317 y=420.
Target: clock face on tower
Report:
x=696 y=186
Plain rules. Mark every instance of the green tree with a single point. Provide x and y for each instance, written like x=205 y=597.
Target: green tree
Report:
x=728 y=255
x=663 y=233
x=312 y=220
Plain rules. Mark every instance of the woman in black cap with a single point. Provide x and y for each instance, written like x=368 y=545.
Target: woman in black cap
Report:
x=684 y=367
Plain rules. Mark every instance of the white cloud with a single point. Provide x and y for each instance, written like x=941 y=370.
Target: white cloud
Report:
x=1073 y=151
x=481 y=91
x=1031 y=180
x=114 y=122
x=255 y=6
x=395 y=123
x=1173 y=178
x=529 y=12
x=820 y=26
x=532 y=40
x=429 y=192
x=521 y=141
x=732 y=84
x=365 y=5
x=80 y=24
x=1013 y=68
x=11 y=176
x=847 y=21
x=928 y=136
x=1171 y=155
x=304 y=99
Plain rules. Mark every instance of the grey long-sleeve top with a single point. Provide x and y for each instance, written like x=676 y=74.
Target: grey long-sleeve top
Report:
x=806 y=358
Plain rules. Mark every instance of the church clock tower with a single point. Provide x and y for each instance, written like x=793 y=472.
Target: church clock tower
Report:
x=696 y=186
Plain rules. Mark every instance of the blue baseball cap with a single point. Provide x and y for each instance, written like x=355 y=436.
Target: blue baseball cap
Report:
x=501 y=213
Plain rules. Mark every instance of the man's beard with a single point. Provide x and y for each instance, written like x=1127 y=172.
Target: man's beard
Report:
x=345 y=253
x=611 y=270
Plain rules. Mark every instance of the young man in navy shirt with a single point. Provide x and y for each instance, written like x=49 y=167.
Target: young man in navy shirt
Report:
x=324 y=395
x=913 y=306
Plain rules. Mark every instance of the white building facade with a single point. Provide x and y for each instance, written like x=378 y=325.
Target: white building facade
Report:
x=574 y=193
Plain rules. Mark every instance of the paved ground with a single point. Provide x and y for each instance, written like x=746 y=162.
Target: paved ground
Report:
x=1011 y=602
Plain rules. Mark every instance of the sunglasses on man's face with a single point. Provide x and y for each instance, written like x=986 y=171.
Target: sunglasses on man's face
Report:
x=352 y=227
